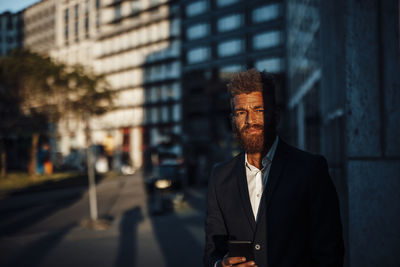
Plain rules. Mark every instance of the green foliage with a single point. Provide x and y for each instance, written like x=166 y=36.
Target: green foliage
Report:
x=34 y=89
x=19 y=180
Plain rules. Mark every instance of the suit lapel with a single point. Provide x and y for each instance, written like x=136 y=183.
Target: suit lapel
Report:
x=278 y=163
x=240 y=172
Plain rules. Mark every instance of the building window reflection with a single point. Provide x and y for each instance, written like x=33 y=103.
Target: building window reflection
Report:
x=267 y=40
x=266 y=13
x=230 y=48
x=197 y=31
x=222 y=3
x=196 y=55
x=230 y=22
x=226 y=72
x=273 y=65
x=196 y=8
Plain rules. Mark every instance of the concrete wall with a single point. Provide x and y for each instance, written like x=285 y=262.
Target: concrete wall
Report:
x=369 y=33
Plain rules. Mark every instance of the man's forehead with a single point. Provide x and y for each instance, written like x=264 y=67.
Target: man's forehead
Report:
x=251 y=99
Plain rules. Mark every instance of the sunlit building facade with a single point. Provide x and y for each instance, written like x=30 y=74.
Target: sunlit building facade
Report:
x=221 y=37
x=77 y=26
x=139 y=54
x=40 y=26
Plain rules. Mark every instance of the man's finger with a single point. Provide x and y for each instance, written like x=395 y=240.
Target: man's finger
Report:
x=229 y=261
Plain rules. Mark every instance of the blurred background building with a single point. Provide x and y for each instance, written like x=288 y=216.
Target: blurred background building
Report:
x=138 y=52
x=218 y=38
x=40 y=26
x=336 y=65
x=77 y=28
x=11 y=31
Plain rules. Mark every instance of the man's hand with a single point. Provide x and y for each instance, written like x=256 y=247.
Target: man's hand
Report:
x=237 y=261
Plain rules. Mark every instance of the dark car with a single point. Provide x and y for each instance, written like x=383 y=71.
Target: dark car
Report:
x=165 y=187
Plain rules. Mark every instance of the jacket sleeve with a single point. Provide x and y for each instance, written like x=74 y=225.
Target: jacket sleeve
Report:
x=327 y=248
x=216 y=232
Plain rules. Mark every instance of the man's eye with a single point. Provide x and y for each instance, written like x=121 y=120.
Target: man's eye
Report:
x=240 y=113
x=260 y=110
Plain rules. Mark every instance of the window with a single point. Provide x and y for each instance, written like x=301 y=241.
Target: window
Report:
x=9 y=23
x=222 y=3
x=197 y=31
x=196 y=8
x=177 y=112
x=117 y=12
x=76 y=31
x=98 y=3
x=76 y=11
x=66 y=16
x=230 y=22
x=230 y=48
x=154 y=115
x=154 y=2
x=155 y=94
x=87 y=7
x=66 y=34
x=199 y=54
x=135 y=6
x=273 y=65
x=97 y=20
x=87 y=26
x=175 y=27
x=164 y=114
x=226 y=71
x=267 y=40
x=266 y=13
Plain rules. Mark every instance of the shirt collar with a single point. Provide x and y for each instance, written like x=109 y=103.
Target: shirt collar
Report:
x=266 y=159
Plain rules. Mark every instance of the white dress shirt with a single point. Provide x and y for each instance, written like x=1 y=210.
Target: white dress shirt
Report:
x=257 y=179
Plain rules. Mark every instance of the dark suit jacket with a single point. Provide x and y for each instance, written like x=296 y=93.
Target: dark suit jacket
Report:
x=298 y=222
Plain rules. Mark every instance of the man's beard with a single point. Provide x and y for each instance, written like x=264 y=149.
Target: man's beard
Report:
x=256 y=142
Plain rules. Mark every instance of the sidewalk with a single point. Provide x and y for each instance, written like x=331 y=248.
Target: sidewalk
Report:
x=133 y=238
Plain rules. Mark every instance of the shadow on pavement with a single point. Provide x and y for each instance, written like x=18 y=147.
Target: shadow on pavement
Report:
x=34 y=253
x=22 y=209
x=75 y=181
x=127 y=251
x=178 y=244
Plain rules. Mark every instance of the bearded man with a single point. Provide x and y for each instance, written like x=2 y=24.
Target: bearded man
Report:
x=279 y=198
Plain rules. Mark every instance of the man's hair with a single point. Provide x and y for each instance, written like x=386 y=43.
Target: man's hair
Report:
x=252 y=80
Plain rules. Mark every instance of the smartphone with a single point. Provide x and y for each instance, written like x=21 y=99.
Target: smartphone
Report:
x=241 y=249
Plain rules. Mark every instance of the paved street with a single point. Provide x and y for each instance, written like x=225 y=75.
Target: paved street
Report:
x=45 y=228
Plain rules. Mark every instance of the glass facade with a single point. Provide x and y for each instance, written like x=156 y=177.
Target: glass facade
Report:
x=267 y=40
x=266 y=13
x=196 y=8
x=273 y=65
x=223 y=3
x=230 y=22
x=197 y=55
x=230 y=48
x=197 y=31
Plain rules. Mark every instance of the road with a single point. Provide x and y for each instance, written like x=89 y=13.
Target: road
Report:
x=46 y=229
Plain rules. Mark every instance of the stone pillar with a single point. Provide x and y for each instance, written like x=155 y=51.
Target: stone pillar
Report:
x=370 y=37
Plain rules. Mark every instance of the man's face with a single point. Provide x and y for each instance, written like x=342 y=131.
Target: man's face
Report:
x=248 y=122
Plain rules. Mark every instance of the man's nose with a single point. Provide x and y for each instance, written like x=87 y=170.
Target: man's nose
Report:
x=251 y=117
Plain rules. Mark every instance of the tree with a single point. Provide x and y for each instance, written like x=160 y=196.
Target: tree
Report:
x=38 y=88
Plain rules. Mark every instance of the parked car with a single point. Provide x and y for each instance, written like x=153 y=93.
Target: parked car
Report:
x=165 y=186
